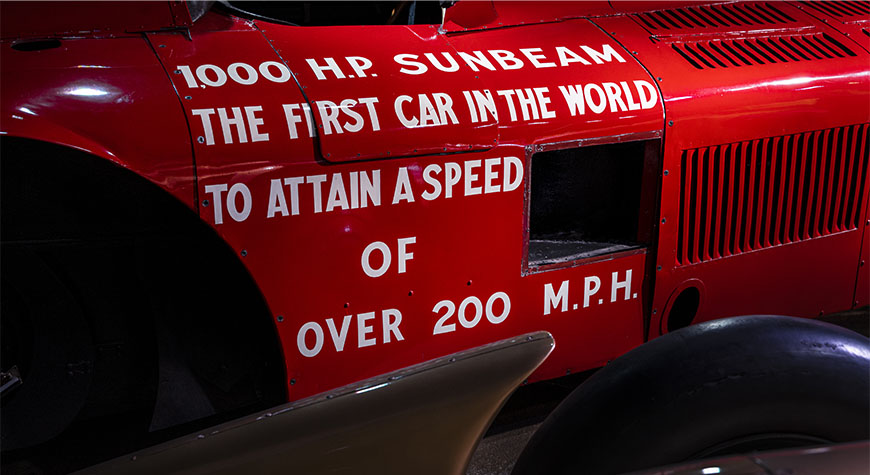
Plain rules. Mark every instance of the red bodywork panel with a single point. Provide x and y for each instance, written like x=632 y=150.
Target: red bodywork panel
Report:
x=91 y=95
x=313 y=202
x=83 y=19
x=710 y=108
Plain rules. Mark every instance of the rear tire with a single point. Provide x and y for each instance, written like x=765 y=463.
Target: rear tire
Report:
x=721 y=387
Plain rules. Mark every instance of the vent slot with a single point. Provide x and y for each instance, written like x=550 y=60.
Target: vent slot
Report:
x=715 y=54
x=757 y=194
x=748 y=15
x=841 y=9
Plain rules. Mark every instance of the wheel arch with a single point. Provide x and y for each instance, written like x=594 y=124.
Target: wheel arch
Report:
x=150 y=277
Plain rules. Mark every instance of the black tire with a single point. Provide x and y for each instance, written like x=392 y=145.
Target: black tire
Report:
x=726 y=386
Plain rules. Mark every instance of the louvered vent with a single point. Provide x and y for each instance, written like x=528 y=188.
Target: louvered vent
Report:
x=762 y=50
x=841 y=9
x=748 y=15
x=751 y=195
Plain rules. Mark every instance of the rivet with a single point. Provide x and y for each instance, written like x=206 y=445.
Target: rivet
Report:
x=177 y=71
x=200 y=436
x=634 y=52
x=469 y=282
x=328 y=154
x=329 y=396
x=453 y=360
x=658 y=79
x=205 y=202
x=658 y=267
x=670 y=123
x=346 y=304
x=410 y=293
x=292 y=381
x=862 y=263
x=280 y=318
x=567 y=371
x=821 y=312
x=666 y=173
x=161 y=46
x=664 y=220
x=188 y=98
x=655 y=311
x=200 y=139
x=244 y=252
x=525 y=381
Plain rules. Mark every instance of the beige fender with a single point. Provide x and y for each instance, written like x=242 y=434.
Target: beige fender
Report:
x=427 y=418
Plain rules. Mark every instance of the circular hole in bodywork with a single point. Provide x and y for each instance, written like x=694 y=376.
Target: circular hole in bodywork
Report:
x=684 y=309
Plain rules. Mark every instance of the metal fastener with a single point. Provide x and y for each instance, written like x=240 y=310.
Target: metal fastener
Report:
x=292 y=381
x=200 y=139
x=205 y=202
x=280 y=318
x=244 y=252
x=666 y=173
x=658 y=267
x=187 y=98
x=664 y=220
x=670 y=123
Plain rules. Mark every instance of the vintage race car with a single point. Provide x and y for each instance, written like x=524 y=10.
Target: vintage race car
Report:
x=209 y=210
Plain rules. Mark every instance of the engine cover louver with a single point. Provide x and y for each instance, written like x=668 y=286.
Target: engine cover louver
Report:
x=841 y=9
x=744 y=196
x=739 y=15
x=722 y=53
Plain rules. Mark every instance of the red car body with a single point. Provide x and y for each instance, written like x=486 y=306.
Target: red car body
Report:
x=392 y=224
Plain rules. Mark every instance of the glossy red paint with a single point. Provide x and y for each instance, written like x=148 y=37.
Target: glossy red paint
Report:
x=312 y=214
x=455 y=254
x=716 y=106
x=470 y=16
x=54 y=19
x=91 y=95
